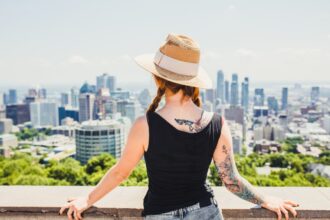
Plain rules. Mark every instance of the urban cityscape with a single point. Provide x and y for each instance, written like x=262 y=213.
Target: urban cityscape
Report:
x=273 y=129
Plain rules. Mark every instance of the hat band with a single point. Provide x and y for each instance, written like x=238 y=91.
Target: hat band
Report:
x=176 y=66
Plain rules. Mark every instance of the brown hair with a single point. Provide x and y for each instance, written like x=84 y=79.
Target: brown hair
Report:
x=164 y=84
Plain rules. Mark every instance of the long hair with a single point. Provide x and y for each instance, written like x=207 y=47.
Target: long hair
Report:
x=164 y=84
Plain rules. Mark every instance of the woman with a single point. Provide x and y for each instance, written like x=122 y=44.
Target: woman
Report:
x=178 y=143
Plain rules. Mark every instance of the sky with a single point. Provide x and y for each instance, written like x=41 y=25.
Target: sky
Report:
x=68 y=42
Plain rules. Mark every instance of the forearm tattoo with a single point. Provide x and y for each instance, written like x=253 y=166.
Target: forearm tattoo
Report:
x=234 y=182
x=193 y=126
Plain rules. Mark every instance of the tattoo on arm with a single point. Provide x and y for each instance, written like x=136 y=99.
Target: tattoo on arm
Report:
x=234 y=182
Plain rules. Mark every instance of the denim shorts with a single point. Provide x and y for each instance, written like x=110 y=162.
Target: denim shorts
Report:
x=193 y=212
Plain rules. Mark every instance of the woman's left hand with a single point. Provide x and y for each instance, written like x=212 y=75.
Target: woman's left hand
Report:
x=280 y=206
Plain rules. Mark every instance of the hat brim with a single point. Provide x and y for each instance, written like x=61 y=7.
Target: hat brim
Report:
x=201 y=80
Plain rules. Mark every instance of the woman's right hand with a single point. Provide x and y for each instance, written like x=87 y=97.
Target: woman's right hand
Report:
x=75 y=206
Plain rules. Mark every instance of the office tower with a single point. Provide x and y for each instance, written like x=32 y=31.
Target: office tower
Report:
x=235 y=113
x=259 y=97
x=44 y=114
x=120 y=94
x=6 y=125
x=234 y=90
x=326 y=123
x=96 y=137
x=245 y=94
x=33 y=92
x=74 y=97
x=19 y=113
x=284 y=98
x=227 y=98
x=104 y=104
x=221 y=86
x=42 y=93
x=272 y=104
x=129 y=108
x=315 y=94
x=65 y=99
x=12 y=97
x=67 y=112
x=86 y=106
x=145 y=98
x=210 y=95
x=106 y=81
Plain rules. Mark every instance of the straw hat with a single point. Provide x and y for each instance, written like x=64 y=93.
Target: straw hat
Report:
x=177 y=60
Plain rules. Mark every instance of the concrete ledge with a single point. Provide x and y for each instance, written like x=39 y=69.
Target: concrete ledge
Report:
x=43 y=202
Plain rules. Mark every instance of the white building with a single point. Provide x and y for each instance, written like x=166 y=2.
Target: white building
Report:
x=6 y=125
x=7 y=141
x=44 y=114
x=326 y=123
x=95 y=137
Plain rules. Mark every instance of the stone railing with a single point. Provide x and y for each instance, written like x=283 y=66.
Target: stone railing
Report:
x=44 y=202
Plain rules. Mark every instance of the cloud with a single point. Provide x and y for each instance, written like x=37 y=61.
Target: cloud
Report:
x=76 y=59
x=329 y=36
x=211 y=55
x=245 y=52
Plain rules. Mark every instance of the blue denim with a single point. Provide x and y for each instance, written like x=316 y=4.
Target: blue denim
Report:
x=193 y=212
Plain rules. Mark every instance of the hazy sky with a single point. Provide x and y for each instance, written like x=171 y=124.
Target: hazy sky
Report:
x=69 y=41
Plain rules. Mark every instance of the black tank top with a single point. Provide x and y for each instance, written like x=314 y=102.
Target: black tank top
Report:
x=177 y=163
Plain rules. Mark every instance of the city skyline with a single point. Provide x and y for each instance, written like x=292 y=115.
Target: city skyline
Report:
x=88 y=39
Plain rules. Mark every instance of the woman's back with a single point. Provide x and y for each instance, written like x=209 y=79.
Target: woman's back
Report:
x=177 y=163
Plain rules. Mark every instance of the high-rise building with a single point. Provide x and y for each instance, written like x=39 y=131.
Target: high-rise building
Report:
x=259 y=97
x=221 y=86
x=74 y=97
x=227 y=97
x=86 y=107
x=129 y=108
x=6 y=125
x=315 y=94
x=65 y=99
x=285 y=92
x=272 y=104
x=104 y=104
x=234 y=90
x=106 y=81
x=210 y=95
x=96 y=137
x=19 y=113
x=12 y=97
x=245 y=94
x=42 y=93
x=44 y=114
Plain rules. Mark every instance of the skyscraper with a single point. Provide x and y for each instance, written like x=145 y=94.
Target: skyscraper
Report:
x=259 y=97
x=284 y=98
x=12 y=97
x=74 y=97
x=19 y=113
x=227 y=98
x=221 y=86
x=86 y=106
x=234 y=90
x=245 y=94
x=65 y=99
x=44 y=113
x=106 y=81
x=315 y=94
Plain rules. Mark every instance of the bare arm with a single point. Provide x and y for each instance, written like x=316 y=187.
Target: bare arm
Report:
x=132 y=154
x=223 y=159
